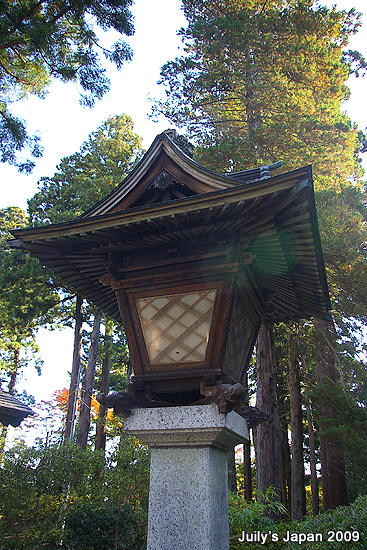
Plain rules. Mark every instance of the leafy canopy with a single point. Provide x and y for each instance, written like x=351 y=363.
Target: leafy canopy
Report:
x=28 y=298
x=44 y=39
x=89 y=175
x=261 y=82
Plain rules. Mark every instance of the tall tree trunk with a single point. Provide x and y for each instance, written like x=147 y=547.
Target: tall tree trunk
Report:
x=334 y=483
x=105 y=379
x=267 y=438
x=11 y=386
x=75 y=372
x=285 y=457
x=298 y=495
x=247 y=473
x=231 y=463
x=283 y=480
x=14 y=371
x=286 y=468
x=87 y=387
x=314 y=481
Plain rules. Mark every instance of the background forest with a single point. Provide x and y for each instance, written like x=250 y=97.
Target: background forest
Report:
x=256 y=82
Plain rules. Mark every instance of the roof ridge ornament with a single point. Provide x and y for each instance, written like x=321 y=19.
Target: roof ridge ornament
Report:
x=255 y=174
x=181 y=141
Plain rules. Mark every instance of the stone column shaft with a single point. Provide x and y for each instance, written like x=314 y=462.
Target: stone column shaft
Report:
x=188 y=495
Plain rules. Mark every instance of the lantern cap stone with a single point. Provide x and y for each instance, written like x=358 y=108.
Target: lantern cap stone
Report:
x=190 y=426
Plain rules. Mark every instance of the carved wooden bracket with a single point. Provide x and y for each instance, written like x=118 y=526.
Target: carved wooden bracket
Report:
x=231 y=398
x=106 y=280
x=122 y=402
x=227 y=397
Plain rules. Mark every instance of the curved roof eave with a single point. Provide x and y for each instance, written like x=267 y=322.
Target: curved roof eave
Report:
x=162 y=142
x=12 y=411
x=231 y=193
x=78 y=241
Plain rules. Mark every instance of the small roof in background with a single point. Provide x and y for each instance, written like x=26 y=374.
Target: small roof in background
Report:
x=12 y=411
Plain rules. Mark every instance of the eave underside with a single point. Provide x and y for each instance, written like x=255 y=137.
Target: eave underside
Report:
x=12 y=411
x=275 y=234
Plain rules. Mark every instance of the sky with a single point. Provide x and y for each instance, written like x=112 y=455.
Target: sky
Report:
x=63 y=125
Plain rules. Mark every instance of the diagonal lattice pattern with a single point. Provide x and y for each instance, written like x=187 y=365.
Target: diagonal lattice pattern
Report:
x=176 y=327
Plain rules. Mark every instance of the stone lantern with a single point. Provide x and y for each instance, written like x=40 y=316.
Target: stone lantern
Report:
x=192 y=262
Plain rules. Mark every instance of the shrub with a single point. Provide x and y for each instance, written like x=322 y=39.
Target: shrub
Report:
x=94 y=527
x=254 y=515
x=41 y=485
x=339 y=529
x=337 y=524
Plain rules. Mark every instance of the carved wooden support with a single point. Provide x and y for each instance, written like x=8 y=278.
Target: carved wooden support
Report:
x=231 y=398
x=122 y=402
x=253 y=416
x=228 y=398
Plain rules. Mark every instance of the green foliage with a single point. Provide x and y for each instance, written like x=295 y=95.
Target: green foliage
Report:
x=256 y=514
x=23 y=305
x=117 y=349
x=345 y=398
x=336 y=528
x=47 y=39
x=42 y=485
x=342 y=213
x=347 y=425
x=120 y=357
x=94 y=526
x=262 y=82
x=344 y=519
x=28 y=298
x=89 y=175
x=129 y=462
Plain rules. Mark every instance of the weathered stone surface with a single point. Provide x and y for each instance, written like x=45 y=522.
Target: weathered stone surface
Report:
x=188 y=500
x=188 y=497
x=197 y=425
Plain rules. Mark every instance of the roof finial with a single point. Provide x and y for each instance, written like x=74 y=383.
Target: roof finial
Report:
x=181 y=141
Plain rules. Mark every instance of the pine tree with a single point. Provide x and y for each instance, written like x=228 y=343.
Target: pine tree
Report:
x=43 y=40
x=90 y=174
x=265 y=81
x=81 y=180
x=28 y=300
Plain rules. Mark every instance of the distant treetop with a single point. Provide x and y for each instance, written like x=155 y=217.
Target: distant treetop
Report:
x=44 y=39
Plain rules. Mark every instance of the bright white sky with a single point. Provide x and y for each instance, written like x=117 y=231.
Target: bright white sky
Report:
x=64 y=125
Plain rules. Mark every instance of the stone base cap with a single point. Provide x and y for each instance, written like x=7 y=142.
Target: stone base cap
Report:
x=195 y=426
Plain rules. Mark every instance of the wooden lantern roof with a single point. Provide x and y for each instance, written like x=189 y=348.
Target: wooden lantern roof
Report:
x=170 y=209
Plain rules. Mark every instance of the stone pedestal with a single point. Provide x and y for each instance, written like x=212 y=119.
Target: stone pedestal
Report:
x=188 y=495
